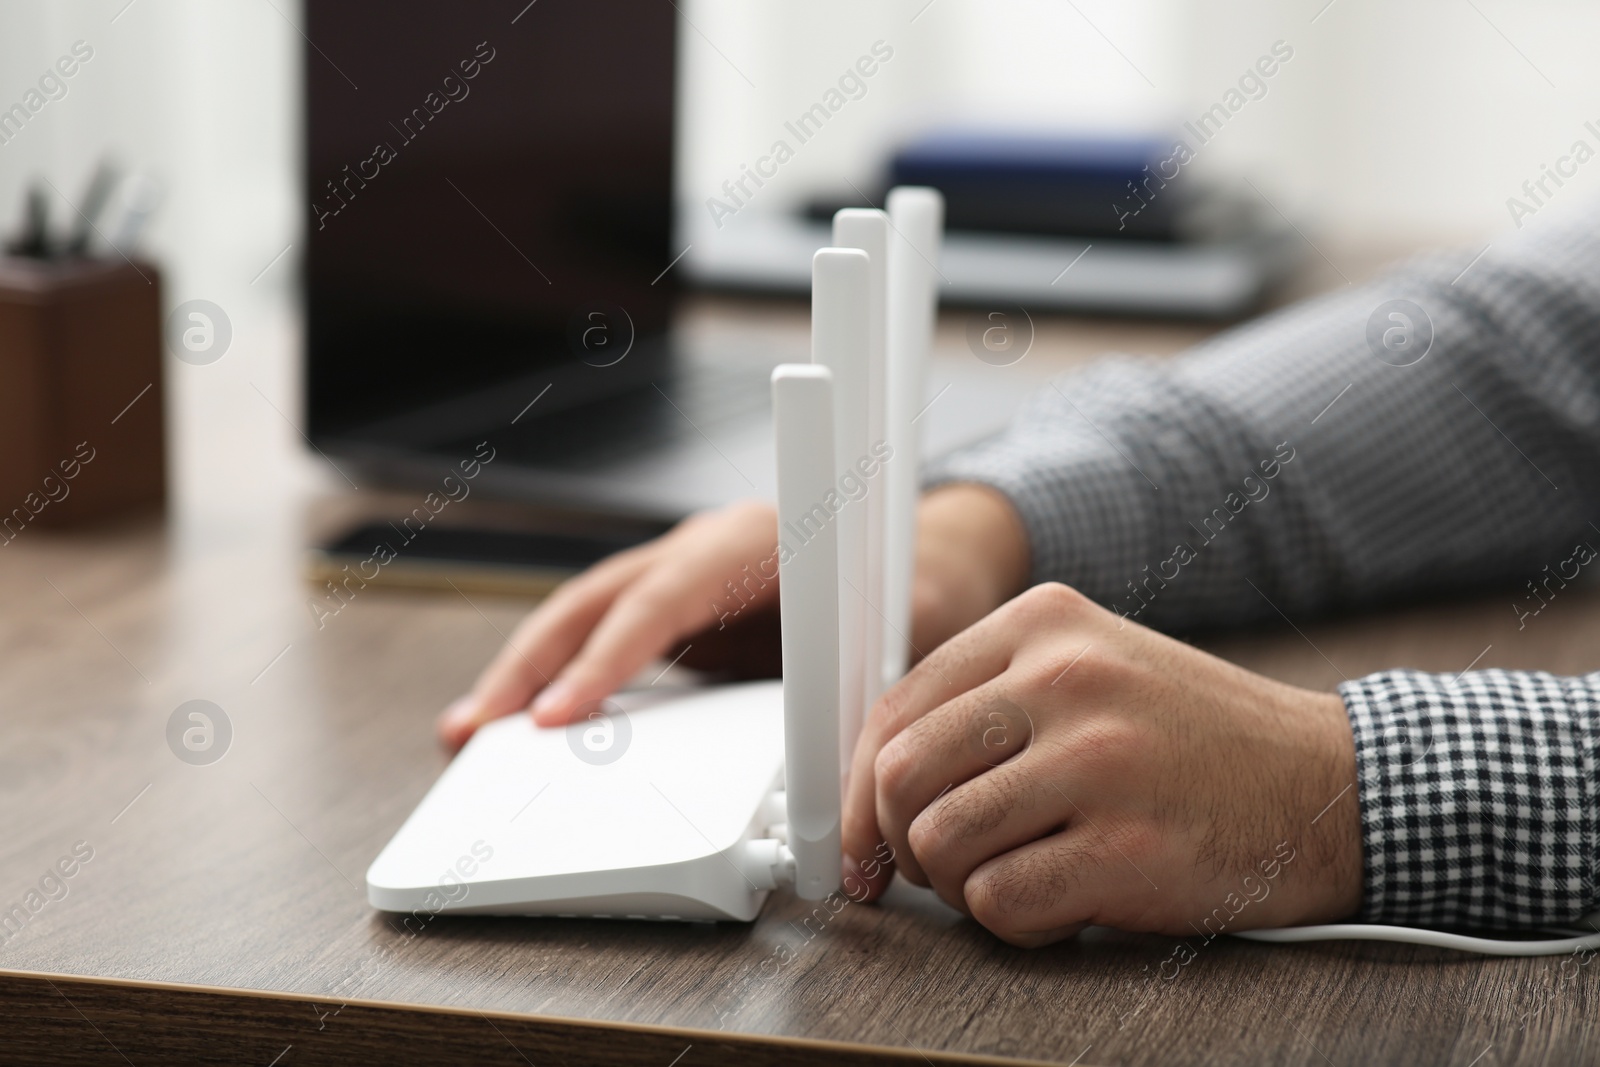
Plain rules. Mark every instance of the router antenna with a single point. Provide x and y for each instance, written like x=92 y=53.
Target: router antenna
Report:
x=841 y=326
x=808 y=575
x=916 y=218
x=868 y=230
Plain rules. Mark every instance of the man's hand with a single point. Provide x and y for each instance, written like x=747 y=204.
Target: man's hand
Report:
x=603 y=626
x=712 y=583
x=1056 y=766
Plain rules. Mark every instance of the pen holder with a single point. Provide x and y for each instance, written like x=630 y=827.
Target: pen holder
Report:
x=81 y=395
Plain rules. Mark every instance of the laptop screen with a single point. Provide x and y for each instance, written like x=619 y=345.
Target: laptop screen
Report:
x=488 y=189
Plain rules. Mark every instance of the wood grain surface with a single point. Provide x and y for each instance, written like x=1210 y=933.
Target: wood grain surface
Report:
x=222 y=918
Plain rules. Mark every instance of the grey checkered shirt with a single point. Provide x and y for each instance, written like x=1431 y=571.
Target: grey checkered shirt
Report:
x=1302 y=474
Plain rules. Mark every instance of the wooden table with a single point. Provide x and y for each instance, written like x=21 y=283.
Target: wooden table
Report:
x=222 y=917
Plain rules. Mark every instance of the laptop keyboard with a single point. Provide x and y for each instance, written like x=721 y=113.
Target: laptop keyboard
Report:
x=693 y=402
x=715 y=396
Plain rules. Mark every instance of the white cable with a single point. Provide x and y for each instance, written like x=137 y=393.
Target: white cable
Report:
x=1488 y=946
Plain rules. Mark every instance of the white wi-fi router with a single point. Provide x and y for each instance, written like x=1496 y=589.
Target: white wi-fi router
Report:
x=696 y=804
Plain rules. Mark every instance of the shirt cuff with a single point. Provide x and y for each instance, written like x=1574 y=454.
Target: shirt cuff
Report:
x=1085 y=503
x=1477 y=796
x=1078 y=517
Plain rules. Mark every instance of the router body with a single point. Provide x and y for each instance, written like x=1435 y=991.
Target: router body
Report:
x=695 y=805
x=676 y=826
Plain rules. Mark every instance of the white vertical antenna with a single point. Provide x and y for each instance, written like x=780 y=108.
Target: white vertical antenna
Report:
x=868 y=230
x=841 y=341
x=916 y=217
x=808 y=574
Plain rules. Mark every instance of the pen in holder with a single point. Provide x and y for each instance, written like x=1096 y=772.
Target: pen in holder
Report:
x=81 y=398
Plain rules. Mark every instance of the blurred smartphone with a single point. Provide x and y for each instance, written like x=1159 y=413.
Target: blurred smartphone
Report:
x=468 y=558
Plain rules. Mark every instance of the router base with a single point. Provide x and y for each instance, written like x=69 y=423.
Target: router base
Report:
x=664 y=808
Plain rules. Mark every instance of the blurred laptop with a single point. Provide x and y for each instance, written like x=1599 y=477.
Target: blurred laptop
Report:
x=491 y=259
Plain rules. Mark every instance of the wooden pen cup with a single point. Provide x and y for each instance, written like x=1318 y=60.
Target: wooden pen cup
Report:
x=81 y=397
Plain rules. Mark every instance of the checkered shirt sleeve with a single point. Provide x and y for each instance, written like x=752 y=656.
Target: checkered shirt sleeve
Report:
x=1283 y=469
x=1478 y=796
